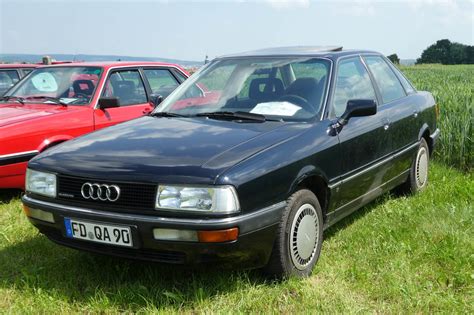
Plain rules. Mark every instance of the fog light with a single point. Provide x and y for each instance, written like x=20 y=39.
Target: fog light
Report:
x=218 y=235
x=175 y=235
x=38 y=214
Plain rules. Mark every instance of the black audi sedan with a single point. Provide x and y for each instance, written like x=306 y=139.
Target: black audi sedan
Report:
x=246 y=163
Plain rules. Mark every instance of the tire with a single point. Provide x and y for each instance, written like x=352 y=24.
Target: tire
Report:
x=418 y=177
x=301 y=226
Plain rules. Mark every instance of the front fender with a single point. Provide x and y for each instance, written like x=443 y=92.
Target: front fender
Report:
x=307 y=172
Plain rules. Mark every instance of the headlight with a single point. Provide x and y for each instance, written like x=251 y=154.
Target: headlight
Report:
x=204 y=199
x=41 y=183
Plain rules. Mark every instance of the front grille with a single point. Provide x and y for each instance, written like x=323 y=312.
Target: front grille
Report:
x=133 y=196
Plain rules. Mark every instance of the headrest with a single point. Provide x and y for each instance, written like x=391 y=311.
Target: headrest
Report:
x=265 y=89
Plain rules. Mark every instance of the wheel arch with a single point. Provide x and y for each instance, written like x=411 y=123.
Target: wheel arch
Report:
x=52 y=141
x=313 y=179
x=425 y=134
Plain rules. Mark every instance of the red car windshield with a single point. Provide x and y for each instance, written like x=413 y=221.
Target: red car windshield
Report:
x=68 y=85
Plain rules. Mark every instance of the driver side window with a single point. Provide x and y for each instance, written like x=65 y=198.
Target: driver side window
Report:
x=352 y=82
x=127 y=86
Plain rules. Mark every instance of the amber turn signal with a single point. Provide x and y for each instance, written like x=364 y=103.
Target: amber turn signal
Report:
x=26 y=210
x=218 y=235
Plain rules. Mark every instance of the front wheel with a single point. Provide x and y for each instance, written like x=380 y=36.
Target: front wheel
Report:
x=299 y=238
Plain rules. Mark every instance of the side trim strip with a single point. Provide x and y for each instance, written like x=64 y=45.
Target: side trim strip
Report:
x=388 y=159
x=17 y=157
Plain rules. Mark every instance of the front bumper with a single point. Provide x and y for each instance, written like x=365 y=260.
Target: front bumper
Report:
x=252 y=248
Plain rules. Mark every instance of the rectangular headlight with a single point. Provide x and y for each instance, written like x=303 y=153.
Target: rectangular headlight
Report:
x=40 y=183
x=221 y=199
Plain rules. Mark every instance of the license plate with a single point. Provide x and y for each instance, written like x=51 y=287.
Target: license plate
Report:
x=98 y=232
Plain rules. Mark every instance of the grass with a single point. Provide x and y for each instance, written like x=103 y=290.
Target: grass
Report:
x=398 y=254
x=453 y=88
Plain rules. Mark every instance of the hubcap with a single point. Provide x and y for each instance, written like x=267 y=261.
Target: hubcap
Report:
x=304 y=236
x=421 y=167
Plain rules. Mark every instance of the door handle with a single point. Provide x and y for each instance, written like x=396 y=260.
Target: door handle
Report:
x=386 y=124
x=147 y=111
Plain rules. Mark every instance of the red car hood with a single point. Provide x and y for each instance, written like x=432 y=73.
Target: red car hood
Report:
x=14 y=113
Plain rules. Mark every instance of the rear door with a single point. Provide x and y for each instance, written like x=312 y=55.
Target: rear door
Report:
x=402 y=113
x=364 y=143
x=129 y=87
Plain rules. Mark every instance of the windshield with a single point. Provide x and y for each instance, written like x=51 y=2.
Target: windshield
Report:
x=68 y=85
x=276 y=87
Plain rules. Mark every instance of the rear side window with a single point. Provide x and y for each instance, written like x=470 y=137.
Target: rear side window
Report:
x=7 y=79
x=388 y=83
x=404 y=81
x=161 y=81
x=352 y=82
x=127 y=86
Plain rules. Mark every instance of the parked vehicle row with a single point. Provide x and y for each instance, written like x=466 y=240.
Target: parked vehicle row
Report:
x=246 y=163
x=10 y=74
x=60 y=102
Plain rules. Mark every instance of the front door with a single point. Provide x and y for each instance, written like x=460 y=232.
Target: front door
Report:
x=128 y=87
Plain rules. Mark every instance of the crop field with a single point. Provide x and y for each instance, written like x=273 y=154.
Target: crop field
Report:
x=453 y=89
x=406 y=254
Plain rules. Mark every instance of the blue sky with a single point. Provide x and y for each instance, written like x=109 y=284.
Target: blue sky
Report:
x=189 y=30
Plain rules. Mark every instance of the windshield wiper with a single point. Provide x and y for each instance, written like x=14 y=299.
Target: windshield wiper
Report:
x=14 y=98
x=48 y=98
x=236 y=115
x=166 y=114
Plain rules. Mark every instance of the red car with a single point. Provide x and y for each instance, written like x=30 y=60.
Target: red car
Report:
x=60 y=102
x=10 y=74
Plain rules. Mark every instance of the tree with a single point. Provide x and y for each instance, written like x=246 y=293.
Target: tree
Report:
x=394 y=59
x=448 y=53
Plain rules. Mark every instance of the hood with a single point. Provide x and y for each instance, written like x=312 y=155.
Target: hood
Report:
x=15 y=113
x=171 y=150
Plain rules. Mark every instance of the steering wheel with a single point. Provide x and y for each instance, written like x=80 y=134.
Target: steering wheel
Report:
x=297 y=100
x=81 y=95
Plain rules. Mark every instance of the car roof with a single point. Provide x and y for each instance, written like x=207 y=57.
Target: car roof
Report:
x=17 y=65
x=320 y=51
x=110 y=64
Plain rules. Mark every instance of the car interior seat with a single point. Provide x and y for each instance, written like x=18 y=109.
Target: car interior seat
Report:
x=124 y=91
x=84 y=87
x=265 y=89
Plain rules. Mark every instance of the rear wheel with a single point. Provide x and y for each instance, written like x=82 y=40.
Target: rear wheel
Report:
x=418 y=178
x=299 y=238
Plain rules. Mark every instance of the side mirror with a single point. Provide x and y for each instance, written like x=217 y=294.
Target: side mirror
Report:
x=108 y=102
x=156 y=99
x=358 y=108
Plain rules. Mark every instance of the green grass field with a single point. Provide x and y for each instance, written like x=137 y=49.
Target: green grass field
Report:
x=397 y=255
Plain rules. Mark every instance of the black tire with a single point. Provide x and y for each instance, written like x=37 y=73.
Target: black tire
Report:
x=418 y=178
x=302 y=215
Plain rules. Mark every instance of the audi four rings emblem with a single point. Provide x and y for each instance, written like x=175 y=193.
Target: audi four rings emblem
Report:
x=100 y=192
